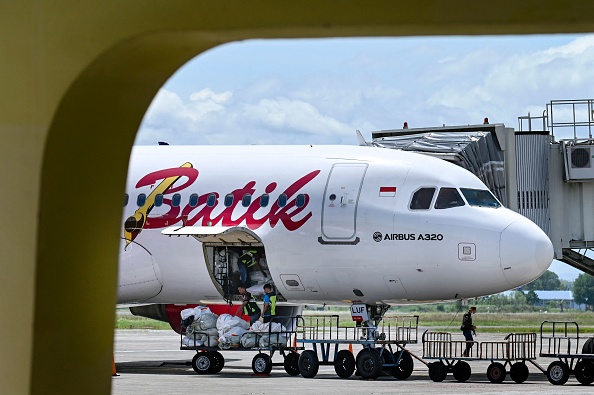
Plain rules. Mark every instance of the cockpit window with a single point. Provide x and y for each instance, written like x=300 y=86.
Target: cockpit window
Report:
x=448 y=198
x=480 y=197
x=421 y=199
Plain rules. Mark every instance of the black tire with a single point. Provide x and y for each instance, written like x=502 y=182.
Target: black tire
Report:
x=344 y=364
x=219 y=361
x=519 y=372
x=291 y=363
x=558 y=373
x=203 y=363
x=405 y=366
x=262 y=364
x=496 y=373
x=584 y=372
x=461 y=371
x=588 y=347
x=308 y=364
x=369 y=363
x=437 y=371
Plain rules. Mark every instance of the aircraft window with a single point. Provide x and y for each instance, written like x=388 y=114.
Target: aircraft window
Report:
x=158 y=200
x=300 y=200
x=246 y=200
x=176 y=200
x=126 y=199
x=211 y=200
x=422 y=198
x=480 y=197
x=229 y=200
x=264 y=200
x=282 y=200
x=448 y=198
x=140 y=200
x=193 y=200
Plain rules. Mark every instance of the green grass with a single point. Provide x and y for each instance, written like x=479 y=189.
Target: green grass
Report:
x=437 y=321
x=125 y=320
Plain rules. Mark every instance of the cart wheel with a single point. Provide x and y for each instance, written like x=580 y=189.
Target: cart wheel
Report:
x=203 y=363
x=405 y=367
x=262 y=364
x=496 y=373
x=437 y=371
x=519 y=372
x=308 y=364
x=344 y=364
x=462 y=371
x=219 y=361
x=558 y=373
x=369 y=363
x=584 y=372
x=291 y=363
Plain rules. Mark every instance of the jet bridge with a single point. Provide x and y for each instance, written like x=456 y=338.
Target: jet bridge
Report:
x=544 y=170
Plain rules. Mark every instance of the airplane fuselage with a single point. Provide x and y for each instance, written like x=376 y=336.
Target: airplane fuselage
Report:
x=338 y=224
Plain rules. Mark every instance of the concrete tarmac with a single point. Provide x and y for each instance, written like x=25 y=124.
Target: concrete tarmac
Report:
x=150 y=362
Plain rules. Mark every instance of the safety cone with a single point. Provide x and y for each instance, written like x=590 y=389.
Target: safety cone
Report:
x=351 y=347
x=113 y=367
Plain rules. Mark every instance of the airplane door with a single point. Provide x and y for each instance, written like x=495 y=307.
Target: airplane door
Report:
x=339 y=208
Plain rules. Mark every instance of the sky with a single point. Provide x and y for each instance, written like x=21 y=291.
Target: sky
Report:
x=321 y=91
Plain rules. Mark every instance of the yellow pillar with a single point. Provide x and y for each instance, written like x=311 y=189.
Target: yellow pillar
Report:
x=76 y=78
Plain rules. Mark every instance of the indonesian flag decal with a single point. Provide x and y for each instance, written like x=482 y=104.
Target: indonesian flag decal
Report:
x=387 y=191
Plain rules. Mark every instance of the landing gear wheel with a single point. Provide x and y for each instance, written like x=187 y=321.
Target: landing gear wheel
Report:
x=387 y=359
x=308 y=364
x=558 y=373
x=291 y=363
x=219 y=361
x=262 y=364
x=461 y=371
x=344 y=364
x=203 y=363
x=369 y=363
x=519 y=372
x=437 y=371
x=405 y=367
x=496 y=373
x=584 y=372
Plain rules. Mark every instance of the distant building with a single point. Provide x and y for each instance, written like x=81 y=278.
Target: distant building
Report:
x=547 y=296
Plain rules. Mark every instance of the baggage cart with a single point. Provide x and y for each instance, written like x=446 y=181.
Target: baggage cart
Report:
x=209 y=358
x=561 y=340
x=514 y=351
x=383 y=346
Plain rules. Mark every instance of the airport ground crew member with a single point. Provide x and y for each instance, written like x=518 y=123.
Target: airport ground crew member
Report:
x=269 y=310
x=468 y=329
x=249 y=306
x=245 y=262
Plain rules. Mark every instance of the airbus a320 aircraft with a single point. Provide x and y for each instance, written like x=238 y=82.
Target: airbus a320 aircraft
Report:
x=324 y=224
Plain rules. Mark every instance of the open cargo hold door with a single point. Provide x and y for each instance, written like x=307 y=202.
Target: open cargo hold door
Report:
x=233 y=255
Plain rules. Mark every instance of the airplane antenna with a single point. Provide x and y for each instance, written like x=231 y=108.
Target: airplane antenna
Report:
x=361 y=140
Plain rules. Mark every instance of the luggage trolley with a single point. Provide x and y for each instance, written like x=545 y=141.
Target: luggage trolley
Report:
x=514 y=351
x=209 y=359
x=383 y=346
x=561 y=339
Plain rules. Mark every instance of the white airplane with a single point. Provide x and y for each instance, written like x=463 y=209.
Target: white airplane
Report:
x=326 y=224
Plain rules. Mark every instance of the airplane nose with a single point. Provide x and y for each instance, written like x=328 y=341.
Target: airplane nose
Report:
x=525 y=251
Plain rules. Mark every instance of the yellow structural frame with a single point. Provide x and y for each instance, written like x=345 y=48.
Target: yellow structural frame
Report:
x=75 y=79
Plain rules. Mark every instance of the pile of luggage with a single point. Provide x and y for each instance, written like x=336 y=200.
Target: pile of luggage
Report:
x=203 y=328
